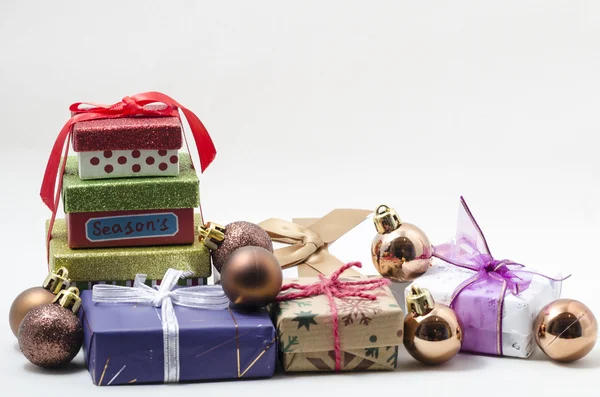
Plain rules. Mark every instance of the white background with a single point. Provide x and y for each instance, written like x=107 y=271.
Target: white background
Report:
x=315 y=105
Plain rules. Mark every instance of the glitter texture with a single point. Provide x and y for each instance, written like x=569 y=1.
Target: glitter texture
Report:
x=124 y=263
x=127 y=133
x=131 y=193
x=50 y=336
x=240 y=234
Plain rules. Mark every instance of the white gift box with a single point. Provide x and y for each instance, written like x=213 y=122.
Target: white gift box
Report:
x=519 y=311
x=128 y=163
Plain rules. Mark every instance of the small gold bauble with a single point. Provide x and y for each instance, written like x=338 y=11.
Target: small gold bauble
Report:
x=400 y=251
x=432 y=331
x=251 y=277
x=25 y=302
x=566 y=330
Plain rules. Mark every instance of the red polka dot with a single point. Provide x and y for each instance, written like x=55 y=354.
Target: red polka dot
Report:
x=174 y=159
x=122 y=160
x=163 y=166
x=108 y=168
x=149 y=160
x=136 y=154
x=136 y=168
x=94 y=161
x=108 y=154
x=162 y=152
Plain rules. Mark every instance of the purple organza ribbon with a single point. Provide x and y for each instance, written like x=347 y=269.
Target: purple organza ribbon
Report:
x=485 y=290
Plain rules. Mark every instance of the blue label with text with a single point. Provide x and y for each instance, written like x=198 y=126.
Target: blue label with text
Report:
x=131 y=226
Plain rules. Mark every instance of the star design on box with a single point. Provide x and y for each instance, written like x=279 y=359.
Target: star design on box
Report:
x=305 y=319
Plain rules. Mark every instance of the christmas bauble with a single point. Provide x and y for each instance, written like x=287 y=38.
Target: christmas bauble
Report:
x=51 y=335
x=251 y=277
x=400 y=251
x=432 y=331
x=36 y=296
x=26 y=301
x=224 y=241
x=566 y=330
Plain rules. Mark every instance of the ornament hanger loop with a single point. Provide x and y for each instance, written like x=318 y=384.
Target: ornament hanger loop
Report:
x=383 y=207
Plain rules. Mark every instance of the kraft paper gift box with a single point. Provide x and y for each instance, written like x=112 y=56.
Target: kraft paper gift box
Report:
x=128 y=147
x=518 y=313
x=123 y=343
x=119 y=266
x=370 y=331
x=130 y=211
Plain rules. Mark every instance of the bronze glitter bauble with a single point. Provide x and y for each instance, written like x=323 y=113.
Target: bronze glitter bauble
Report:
x=26 y=301
x=400 y=251
x=237 y=235
x=251 y=277
x=566 y=330
x=432 y=331
x=50 y=336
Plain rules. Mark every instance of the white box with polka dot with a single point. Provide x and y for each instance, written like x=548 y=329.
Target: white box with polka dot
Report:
x=127 y=163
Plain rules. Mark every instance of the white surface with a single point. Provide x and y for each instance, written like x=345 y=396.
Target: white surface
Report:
x=315 y=105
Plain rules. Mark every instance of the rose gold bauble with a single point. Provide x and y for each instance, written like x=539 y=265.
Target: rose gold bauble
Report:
x=223 y=241
x=50 y=336
x=400 y=251
x=251 y=277
x=26 y=301
x=566 y=330
x=432 y=331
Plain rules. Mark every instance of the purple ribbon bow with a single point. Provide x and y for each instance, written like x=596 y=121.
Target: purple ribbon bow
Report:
x=485 y=289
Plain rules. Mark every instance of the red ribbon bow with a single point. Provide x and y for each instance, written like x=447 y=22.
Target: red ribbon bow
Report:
x=333 y=287
x=130 y=106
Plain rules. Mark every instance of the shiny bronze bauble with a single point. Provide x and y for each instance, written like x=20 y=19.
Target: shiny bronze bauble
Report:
x=251 y=277
x=26 y=301
x=566 y=330
x=432 y=331
x=50 y=336
x=400 y=251
x=237 y=235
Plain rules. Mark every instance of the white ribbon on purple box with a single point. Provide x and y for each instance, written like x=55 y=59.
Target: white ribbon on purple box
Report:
x=165 y=297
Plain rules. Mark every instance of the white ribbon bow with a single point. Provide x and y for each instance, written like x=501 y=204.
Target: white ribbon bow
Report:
x=200 y=297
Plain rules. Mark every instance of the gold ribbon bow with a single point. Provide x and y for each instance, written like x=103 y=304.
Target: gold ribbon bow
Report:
x=309 y=239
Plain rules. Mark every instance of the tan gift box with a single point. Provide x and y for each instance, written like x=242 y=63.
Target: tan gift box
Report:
x=370 y=331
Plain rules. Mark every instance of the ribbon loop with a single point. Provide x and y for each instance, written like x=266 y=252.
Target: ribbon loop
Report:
x=165 y=297
x=333 y=287
x=309 y=239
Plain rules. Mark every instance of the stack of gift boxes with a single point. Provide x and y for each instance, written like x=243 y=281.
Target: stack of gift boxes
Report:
x=129 y=198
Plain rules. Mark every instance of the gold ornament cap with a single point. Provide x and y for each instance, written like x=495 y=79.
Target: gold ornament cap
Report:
x=69 y=299
x=419 y=301
x=55 y=282
x=212 y=235
x=386 y=219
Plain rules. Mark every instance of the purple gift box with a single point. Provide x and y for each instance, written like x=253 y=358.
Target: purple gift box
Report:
x=123 y=343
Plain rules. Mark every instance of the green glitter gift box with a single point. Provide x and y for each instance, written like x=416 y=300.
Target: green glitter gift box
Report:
x=120 y=265
x=131 y=211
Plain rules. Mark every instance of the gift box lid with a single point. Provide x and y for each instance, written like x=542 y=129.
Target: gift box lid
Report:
x=128 y=133
x=114 y=264
x=305 y=325
x=130 y=193
x=123 y=343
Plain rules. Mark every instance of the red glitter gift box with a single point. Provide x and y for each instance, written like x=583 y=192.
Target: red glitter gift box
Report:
x=128 y=147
